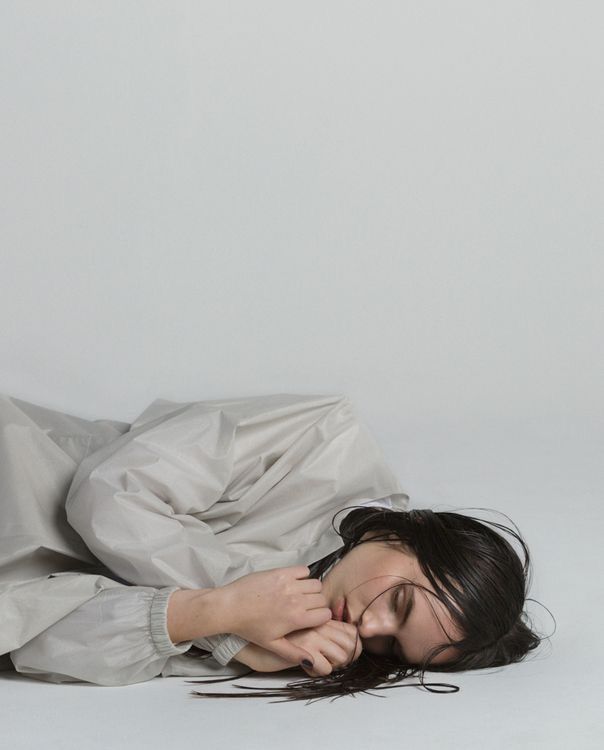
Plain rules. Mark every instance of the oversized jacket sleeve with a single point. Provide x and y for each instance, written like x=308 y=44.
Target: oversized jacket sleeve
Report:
x=118 y=637
x=153 y=503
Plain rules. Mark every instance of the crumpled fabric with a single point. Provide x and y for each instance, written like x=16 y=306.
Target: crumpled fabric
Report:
x=189 y=495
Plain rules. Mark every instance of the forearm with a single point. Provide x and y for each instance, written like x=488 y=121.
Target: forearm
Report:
x=196 y=613
x=117 y=637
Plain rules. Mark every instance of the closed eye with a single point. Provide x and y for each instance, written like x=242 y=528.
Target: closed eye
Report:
x=395 y=598
x=396 y=601
x=396 y=649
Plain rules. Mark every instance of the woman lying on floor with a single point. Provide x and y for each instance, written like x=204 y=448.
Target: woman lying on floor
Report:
x=206 y=544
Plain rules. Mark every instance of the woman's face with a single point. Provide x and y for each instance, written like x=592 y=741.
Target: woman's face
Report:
x=371 y=570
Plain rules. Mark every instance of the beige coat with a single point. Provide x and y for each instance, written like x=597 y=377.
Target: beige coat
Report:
x=100 y=521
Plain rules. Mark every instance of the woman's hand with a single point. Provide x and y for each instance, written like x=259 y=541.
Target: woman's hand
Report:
x=332 y=645
x=264 y=606
x=261 y=660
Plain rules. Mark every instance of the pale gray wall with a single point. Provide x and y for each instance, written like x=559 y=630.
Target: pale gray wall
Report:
x=401 y=201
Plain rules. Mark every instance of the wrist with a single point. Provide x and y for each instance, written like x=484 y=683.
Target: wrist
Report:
x=246 y=656
x=196 y=613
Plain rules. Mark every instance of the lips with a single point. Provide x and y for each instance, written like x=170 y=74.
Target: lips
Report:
x=339 y=610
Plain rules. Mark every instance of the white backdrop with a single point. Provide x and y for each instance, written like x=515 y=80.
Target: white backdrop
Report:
x=400 y=201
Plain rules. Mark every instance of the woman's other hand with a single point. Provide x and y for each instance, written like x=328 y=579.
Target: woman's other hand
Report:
x=332 y=645
x=263 y=607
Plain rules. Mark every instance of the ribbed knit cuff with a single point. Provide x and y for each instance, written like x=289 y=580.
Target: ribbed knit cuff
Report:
x=158 y=624
x=228 y=648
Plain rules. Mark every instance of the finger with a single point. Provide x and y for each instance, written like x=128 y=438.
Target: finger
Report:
x=346 y=639
x=291 y=653
x=322 y=667
x=310 y=585
x=343 y=633
x=313 y=618
x=345 y=628
x=300 y=571
x=313 y=601
x=351 y=645
x=335 y=654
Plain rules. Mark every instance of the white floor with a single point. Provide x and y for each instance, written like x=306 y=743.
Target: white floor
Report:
x=549 y=478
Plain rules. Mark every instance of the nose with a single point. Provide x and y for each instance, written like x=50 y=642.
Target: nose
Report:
x=376 y=620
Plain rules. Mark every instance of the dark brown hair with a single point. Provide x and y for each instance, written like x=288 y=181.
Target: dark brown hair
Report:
x=475 y=573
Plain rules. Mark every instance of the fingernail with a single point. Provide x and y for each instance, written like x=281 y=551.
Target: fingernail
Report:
x=306 y=663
